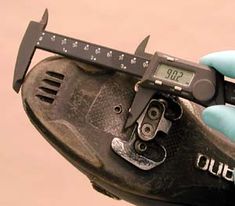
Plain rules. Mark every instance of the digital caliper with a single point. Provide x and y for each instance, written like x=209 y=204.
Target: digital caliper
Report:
x=156 y=73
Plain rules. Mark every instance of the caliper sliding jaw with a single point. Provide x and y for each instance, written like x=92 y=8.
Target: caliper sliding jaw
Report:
x=152 y=113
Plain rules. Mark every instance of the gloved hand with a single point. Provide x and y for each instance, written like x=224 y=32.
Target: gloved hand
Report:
x=221 y=117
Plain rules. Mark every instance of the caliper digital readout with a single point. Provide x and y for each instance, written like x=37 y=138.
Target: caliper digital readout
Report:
x=181 y=78
x=174 y=74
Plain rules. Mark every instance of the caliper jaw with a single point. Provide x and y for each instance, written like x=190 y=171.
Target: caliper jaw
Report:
x=27 y=49
x=143 y=95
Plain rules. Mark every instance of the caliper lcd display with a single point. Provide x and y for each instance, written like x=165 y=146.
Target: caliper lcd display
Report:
x=174 y=74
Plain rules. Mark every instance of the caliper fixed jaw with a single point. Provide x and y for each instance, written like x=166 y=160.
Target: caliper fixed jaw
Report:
x=143 y=95
x=27 y=49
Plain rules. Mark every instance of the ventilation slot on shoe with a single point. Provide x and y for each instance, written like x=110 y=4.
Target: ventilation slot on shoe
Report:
x=49 y=91
x=55 y=75
x=45 y=99
x=52 y=83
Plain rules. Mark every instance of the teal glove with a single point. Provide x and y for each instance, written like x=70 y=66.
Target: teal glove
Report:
x=220 y=117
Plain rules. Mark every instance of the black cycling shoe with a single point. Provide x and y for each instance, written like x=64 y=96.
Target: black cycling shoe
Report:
x=177 y=160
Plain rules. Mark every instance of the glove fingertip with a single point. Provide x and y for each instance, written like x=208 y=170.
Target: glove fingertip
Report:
x=208 y=117
x=223 y=61
x=206 y=60
x=221 y=118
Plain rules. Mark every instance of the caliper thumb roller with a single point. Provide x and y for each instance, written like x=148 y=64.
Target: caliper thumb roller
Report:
x=165 y=157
